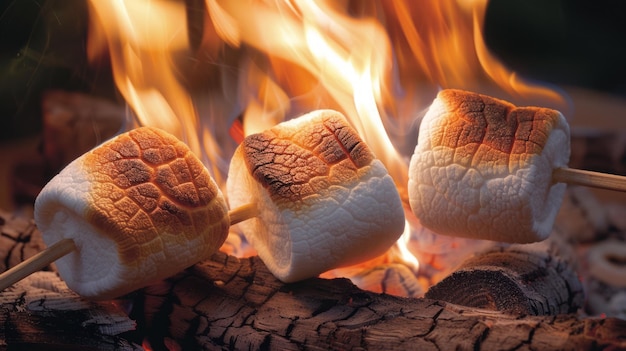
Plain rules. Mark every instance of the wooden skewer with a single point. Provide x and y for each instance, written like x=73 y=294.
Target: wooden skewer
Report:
x=36 y=263
x=242 y=213
x=66 y=246
x=589 y=178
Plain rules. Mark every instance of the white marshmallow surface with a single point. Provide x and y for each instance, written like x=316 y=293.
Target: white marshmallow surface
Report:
x=482 y=168
x=353 y=214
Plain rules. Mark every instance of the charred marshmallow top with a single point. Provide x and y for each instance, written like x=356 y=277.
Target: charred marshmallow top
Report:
x=483 y=167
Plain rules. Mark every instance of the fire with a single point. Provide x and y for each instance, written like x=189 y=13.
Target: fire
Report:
x=256 y=63
x=144 y=38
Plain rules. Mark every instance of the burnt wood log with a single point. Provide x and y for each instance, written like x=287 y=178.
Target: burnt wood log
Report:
x=231 y=303
x=19 y=240
x=41 y=313
x=531 y=279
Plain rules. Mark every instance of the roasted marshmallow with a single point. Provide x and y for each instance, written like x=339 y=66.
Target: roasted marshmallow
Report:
x=139 y=208
x=323 y=199
x=482 y=168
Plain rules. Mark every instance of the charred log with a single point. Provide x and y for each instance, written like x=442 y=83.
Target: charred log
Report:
x=230 y=303
x=530 y=279
x=41 y=313
x=19 y=240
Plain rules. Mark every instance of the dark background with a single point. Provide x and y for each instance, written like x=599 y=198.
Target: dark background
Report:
x=564 y=42
x=572 y=42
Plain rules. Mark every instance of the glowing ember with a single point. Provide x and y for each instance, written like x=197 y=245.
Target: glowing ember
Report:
x=380 y=63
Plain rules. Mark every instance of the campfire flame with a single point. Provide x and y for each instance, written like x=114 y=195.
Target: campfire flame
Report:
x=256 y=63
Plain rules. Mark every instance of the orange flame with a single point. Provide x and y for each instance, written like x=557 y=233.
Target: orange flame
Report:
x=144 y=39
x=260 y=62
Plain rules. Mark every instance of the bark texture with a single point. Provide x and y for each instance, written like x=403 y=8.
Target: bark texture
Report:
x=230 y=303
x=41 y=313
x=532 y=279
x=226 y=303
x=19 y=240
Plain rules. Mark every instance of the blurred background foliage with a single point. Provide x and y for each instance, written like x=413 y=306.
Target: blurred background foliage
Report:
x=564 y=42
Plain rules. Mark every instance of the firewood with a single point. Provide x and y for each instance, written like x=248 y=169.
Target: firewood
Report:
x=19 y=241
x=226 y=302
x=231 y=303
x=40 y=312
x=530 y=279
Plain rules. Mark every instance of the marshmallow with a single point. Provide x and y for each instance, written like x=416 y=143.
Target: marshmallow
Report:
x=323 y=200
x=483 y=167
x=139 y=208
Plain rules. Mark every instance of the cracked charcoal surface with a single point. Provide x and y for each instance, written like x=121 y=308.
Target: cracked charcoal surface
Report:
x=227 y=303
x=250 y=309
x=517 y=280
x=19 y=240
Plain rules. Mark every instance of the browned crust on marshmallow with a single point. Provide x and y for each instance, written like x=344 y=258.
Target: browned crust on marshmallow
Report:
x=294 y=163
x=501 y=129
x=147 y=183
